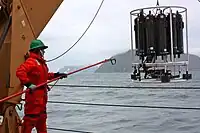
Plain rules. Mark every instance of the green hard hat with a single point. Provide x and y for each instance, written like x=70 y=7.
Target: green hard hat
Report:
x=37 y=44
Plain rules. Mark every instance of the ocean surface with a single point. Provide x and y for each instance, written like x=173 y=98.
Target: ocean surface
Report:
x=99 y=119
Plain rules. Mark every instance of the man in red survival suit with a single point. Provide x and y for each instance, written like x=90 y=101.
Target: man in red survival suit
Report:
x=31 y=73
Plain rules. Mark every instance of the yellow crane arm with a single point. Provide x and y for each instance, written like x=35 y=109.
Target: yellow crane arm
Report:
x=20 y=22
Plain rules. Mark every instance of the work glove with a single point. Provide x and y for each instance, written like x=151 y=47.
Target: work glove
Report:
x=48 y=88
x=62 y=75
x=30 y=86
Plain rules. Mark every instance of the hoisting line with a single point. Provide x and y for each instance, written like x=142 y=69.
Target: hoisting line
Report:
x=157 y=4
x=55 y=58
x=113 y=61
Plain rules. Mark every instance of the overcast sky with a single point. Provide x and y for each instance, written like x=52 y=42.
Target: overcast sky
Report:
x=110 y=32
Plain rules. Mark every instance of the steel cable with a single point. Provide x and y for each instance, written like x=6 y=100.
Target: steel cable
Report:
x=130 y=87
x=80 y=36
x=128 y=106
x=67 y=130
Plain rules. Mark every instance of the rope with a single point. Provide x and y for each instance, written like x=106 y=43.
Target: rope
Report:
x=53 y=85
x=128 y=106
x=80 y=36
x=132 y=87
x=67 y=130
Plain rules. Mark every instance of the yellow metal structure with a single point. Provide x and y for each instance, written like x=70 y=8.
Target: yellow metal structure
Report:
x=25 y=20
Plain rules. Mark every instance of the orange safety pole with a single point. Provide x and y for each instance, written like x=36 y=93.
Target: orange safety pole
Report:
x=19 y=93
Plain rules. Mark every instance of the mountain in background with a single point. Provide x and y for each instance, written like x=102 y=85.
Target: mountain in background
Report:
x=124 y=62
